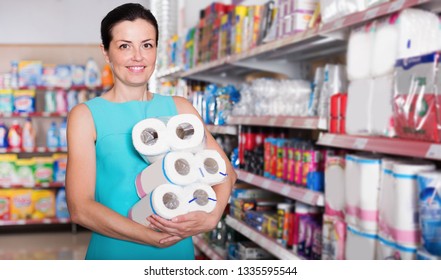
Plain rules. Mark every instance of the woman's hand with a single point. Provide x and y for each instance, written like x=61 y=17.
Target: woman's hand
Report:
x=183 y=226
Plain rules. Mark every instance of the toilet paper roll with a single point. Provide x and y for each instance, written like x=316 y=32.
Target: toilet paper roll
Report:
x=385 y=48
x=405 y=225
x=359 y=107
x=359 y=54
x=200 y=197
x=185 y=133
x=166 y=201
x=352 y=189
x=149 y=138
x=335 y=186
x=387 y=250
x=360 y=245
x=177 y=168
x=369 y=185
x=212 y=167
x=382 y=110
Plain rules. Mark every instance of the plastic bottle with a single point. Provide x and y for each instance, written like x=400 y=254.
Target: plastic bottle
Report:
x=92 y=74
x=52 y=138
x=50 y=102
x=62 y=134
x=107 y=76
x=14 y=74
x=14 y=135
x=3 y=135
x=61 y=102
x=61 y=204
x=28 y=136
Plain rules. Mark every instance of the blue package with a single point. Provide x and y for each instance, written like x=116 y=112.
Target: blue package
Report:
x=315 y=181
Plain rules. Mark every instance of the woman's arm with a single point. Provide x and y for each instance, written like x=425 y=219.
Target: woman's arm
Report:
x=198 y=221
x=80 y=186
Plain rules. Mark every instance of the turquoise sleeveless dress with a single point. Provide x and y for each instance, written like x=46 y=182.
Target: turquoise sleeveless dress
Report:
x=117 y=165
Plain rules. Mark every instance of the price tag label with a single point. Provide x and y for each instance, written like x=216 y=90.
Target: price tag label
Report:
x=434 y=151
x=395 y=6
x=249 y=178
x=288 y=122
x=338 y=23
x=326 y=139
x=272 y=121
x=266 y=184
x=360 y=143
x=285 y=190
x=309 y=123
x=371 y=13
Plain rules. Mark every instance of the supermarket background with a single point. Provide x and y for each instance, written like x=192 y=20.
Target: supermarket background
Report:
x=329 y=111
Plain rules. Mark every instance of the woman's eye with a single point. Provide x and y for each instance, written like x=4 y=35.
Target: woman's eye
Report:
x=148 y=45
x=124 y=46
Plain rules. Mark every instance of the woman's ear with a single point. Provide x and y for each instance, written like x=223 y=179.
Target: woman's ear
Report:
x=105 y=54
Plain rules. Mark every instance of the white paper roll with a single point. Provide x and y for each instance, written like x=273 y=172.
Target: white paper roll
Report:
x=149 y=138
x=335 y=186
x=359 y=108
x=212 y=167
x=167 y=201
x=360 y=245
x=359 y=54
x=387 y=250
x=185 y=133
x=352 y=189
x=405 y=214
x=200 y=197
x=381 y=109
x=385 y=49
x=177 y=168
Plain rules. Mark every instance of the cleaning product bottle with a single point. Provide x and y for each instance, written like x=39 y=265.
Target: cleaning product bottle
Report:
x=14 y=135
x=50 y=102
x=107 y=76
x=61 y=102
x=93 y=75
x=62 y=134
x=28 y=136
x=52 y=139
x=3 y=135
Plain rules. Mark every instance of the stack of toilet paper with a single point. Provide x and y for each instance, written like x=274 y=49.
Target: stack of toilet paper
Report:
x=373 y=50
x=181 y=172
x=399 y=230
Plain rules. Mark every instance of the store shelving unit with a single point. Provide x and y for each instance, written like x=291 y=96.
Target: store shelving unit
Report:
x=32 y=150
x=33 y=115
x=202 y=245
x=34 y=186
x=47 y=221
x=297 y=193
x=392 y=146
x=263 y=241
x=223 y=129
x=279 y=121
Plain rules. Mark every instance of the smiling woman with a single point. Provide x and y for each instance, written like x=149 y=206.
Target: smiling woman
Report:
x=103 y=163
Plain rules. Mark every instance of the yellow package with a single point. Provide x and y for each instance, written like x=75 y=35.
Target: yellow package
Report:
x=21 y=204
x=44 y=204
x=5 y=205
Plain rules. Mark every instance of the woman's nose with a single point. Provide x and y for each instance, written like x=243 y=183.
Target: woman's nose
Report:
x=137 y=54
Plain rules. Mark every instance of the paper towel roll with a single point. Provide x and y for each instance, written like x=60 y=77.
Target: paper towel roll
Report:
x=186 y=133
x=166 y=200
x=367 y=209
x=360 y=245
x=385 y=48
x=405 y=226
x=177 y=168
x=359 y=107
x=387 y=250
x=359 y=54
x=381 y=109
x=200 y=197
x=212 y=167
x=335 y=186
x=149 y=138
x=352 y=189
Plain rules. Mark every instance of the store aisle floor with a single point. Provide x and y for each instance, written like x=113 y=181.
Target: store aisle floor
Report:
x=44 y=246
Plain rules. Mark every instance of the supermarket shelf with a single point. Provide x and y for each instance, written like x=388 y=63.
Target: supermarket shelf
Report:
x=63 y=88
x=170 y=73
x=33 y=115
x=47 y=221
x=297 y=193
x=206 y=249
x=263 y=241
x=281 y=55
x=393 y=146
x=222 y=129
x=32 y=150
x=34 y=186
x=279 y=121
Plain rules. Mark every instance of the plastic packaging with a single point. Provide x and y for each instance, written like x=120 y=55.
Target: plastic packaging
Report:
x=52 y=138
x=15 y=135
x=92 y=74
x=29 y=135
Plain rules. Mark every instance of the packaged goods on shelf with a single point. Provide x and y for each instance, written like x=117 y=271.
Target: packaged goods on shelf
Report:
x=334 y=238
x=44 y=204
x=8 y=175
x=5 y=205
x=416 y=98
x=6 y=101
x=24 y=101
x=334 y=9
x=3 y=135
x=30 y=73
x=360 y=245
x=44 y=169
x=25 y=172
x=248 y=250
x=21 y=204
x=60 y=166
x=61 y=205
x=424 y=255
x=335 y=186
x=335 y=82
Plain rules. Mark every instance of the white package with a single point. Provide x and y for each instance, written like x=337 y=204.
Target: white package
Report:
x=359 y=55
x=359 y=107
x=382 y=109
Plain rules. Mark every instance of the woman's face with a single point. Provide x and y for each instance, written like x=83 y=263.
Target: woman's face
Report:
x=132 y=52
